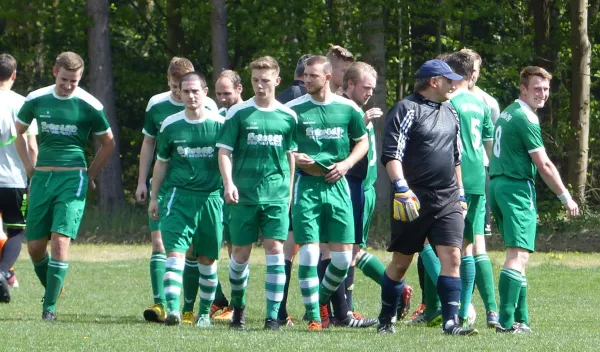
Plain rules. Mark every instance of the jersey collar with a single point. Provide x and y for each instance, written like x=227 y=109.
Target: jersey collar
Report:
x=428 y=102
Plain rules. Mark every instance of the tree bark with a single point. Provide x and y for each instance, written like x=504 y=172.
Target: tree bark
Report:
x=220 y=45
x=110 y=185
x=580 y=98
x=175 y=34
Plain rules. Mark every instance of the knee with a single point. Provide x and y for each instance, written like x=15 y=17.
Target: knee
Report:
x=479 y=245
x=273 y=247
x=157 y=243
x=309 y=255
x=241 y=254
x=341 y=260
x=396 y=271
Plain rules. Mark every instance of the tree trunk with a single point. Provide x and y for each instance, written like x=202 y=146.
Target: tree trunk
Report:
x=175 y=34
x=220 y=47
x=373 y=37
x=580 y=98
x=110 y=184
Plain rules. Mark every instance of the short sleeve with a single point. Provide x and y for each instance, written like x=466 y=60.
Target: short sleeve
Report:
x=488 y=126
x=530 y=133
x=229 y=133
x=290 y=137
x=100 y=124
x=26 y=114
x=33 y=128
x=150 y=129
x=356 y=128
x=163 y=149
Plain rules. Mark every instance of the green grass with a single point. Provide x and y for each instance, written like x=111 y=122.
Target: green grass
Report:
x=107 y=288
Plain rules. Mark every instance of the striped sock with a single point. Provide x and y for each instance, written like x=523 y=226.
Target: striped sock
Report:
x=274 y=283
x=309 y=280
x=173 y=281
x=484 y=279
x=191 y=275
x=57 y=270
x=238 y=278
x=372 y=267
x=157 y=273
x=208 y=286
x=509 y=287
x=41 y=269
x=334 y=275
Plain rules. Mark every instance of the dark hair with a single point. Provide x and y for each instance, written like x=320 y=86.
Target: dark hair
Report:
x=423 y=83
x=8 y=65
x=300 y=65
x=192 y=76
x=462 y=63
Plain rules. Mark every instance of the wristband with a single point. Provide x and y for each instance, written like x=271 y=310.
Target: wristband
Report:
x=565 y=197
x=399 y=183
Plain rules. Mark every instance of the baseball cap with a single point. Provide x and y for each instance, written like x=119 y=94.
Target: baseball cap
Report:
x=437 y=67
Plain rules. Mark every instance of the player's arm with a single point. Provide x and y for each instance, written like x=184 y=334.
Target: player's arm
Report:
x=22 y=150
x=107 y=147
x=457 y=161
x=487 y=133
x=552 y=178
x=146 y=154
x=339 y=169
x=292 y=162
x=226 y=167
x=32 y=148
x=159 y=172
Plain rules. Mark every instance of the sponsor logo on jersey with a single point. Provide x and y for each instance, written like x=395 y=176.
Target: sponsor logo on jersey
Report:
x=46 y=115
x=325 y=133
x=506 y=116
x=265 y=139
x=308 y=122
x=199 y=152
x=472 y=107
x=65 y=130
x=180 y=141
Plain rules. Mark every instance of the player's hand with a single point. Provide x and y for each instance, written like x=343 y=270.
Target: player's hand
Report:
x=337 y=171
x=231 y=194
x=463 y=201
x=406 y=203
x=29 y=172
x=302 y=159
x=373 y=114
x=153 y=209
x=91 y=185
x=572 y=208
x=141 y=193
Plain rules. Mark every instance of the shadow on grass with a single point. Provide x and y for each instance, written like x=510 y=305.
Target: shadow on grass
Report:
x=101 y=319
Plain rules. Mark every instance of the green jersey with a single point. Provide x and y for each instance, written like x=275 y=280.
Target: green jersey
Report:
x=325 y=128
x=64 y=124
x=475 y=127
x=223 y=112
x=189 y=147
x=260 y=140
x=159 y=108
x=371 y=177
x=517 y=135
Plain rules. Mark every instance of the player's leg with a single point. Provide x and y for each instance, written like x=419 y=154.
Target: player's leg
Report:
x=484 y=280
x=358 y=199
x=12 y=213
x=391 y=289
x=158 y=259
x=290 y=249
x=191 y=275
x=474 y=225
x=221 y=303
x=370 y=265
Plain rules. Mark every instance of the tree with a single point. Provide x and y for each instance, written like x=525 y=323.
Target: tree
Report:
x=175 y=34
x=580 y=98
x=220 y=47
x=110 y=186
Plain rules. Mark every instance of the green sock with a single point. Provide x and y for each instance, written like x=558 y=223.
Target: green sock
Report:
x=522 y=312
x=41 y=269
x=191 y=275
x=173 y=282
x=432 y=301
x=308 y=279
x=157 y=273
x=467 y=278
x=238 y=277
x=484 y=279
x=274 y=283
x=431 y=263
x=208 y=286
x=509 y=286
x=333 y=278
x=372 y=267
x=57 y=270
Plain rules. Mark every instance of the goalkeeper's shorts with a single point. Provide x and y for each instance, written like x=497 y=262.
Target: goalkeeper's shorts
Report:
x=440 y=221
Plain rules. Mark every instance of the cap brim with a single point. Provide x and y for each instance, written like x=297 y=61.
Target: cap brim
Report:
x=453 y=76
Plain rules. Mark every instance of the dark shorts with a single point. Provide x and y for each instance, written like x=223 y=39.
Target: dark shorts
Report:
x=357 y=196
x=440 y=221
x=13 y=203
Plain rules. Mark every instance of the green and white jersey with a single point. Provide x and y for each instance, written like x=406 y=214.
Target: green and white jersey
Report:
x=223 y=112
x=371 y=177
x=64 y=124
x=475 y=127
x=210 y=105
x=189 y=148
x=517 y=135
x=260 y=140
x=325 y=128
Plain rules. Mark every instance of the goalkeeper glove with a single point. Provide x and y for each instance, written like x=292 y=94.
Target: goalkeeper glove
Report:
x=463 y=201
x=406 y=204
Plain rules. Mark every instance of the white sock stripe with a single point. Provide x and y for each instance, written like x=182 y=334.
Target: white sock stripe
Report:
x=161 y=255
x=513 y=275
x=175 y=263
x=239 y=287
x=309 y=283
x=162 y=260
x=309 y=255
x=274 y=259
x=191 y=263
x=331 y=277
x=278 y=279
x=63 y=265
x=208 y=282
x=207 y=296
x=236 y=275
x=172 y=290
x=274 y=296
x=208 y=270
x=453 y=303
x=311 y=299
x=237 y=266
x=341 y=260
x=170 y=275
x=328 y=286
x=364 y=260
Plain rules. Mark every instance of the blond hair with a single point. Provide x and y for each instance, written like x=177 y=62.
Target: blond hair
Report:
x=178 y=67
x=232 y=76
x=530 y=71
x=356 y=72
x=69 y=61
x=265 y=63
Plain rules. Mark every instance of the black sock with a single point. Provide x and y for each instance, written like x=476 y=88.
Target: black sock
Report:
x=338 y=301
x=448 y=289
x=11 y=249
x=283 y=313
x=321 y=269
x=421 y=271
x=391 y=293
x=350 y=287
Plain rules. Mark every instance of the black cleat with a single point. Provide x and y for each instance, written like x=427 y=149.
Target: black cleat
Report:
x=4 y=289
x=271 y=324
x=238 y=320
x=48 y=315
x=388 y=328
x=516 y=328
x=352 y=322
x=453 y=327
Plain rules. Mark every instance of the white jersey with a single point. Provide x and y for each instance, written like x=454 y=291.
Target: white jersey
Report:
x=210 y=104
x=12 y=172
x=492 y=104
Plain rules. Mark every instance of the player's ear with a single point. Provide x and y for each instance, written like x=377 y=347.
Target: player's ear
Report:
x=239 y=88
x=277 y=81
x=205 y=90
x=54 y=71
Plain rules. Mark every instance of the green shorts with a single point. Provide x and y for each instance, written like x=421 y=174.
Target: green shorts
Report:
x=513 y=204
x=369 y=209
x=475 y=219
x=322 y=212
x=187 y=218
x=56 y=203
x=226 y=232
x=247 y=220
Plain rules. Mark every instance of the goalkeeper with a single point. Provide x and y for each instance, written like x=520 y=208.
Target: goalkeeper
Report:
x=421 y=153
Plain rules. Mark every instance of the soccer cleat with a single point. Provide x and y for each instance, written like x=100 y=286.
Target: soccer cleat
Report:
x=188 y=318
x=352 y=322
x=288 y=321
x=356 y=315
x=388 y=328
x=404 y=304
x=524 y=328
x=215 y=308
x=48 y=315
x=4 y=289
x=324 y=316
x=271 y=324
x=11 y=278
x=436 y=320
x=453 y=327
x=203 y=321
x=315 y=326
x=493 y=320
x=418 y=311
x=225 y=315
x=238 y=319
x=417 y=320
x=172 y=319
x=516 y=328
x=156 y=313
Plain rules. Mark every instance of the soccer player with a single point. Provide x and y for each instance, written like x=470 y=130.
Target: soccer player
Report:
x=341 y=59
x=187 y=163
x=257 y=165
x=297 y=89
x=13 y=176
x=228 y=90
x=422 y=155
x=66 y=114
x=476 y=131
x=518 y=152
x=321 y=212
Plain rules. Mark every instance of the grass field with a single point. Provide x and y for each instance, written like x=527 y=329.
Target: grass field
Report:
x=107 y=288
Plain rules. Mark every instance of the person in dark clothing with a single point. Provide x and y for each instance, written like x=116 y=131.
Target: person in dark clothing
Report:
x=297 y=88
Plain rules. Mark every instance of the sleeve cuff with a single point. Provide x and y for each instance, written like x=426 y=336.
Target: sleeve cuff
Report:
x=530 y=151
x=146 y=133
x=361 y=137
x=22 y=122
x=102 y=132
x=162 y=159
x=224 y=146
